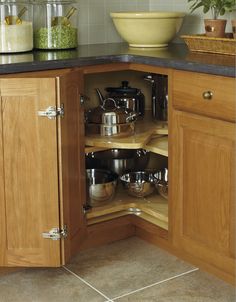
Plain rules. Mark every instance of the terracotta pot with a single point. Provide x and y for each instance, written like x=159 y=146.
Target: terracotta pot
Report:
x=233 y=22
x=215 y=27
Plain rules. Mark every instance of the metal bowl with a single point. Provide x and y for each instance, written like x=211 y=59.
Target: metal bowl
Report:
x=161 y=182
x=118 y=160
x=101 y=186
x=138 y=184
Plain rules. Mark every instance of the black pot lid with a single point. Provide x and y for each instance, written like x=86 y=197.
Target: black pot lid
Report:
x=123 y=89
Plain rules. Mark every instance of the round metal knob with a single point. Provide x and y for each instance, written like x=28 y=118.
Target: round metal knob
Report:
x=207 y=95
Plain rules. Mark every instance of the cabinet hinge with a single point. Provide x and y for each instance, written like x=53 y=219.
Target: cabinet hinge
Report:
x=86 y=208
x=56 y=233
x=52 y=112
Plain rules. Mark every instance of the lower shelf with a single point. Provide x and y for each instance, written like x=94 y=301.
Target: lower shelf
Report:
x=153 y=208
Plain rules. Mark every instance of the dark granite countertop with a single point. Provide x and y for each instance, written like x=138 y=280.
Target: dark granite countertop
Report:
x=176 y=56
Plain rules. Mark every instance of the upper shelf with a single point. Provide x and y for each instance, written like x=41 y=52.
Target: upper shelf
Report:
x=142 y=138
x=158 y=144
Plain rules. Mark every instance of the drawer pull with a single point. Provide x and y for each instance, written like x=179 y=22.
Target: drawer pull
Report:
x=207 y=95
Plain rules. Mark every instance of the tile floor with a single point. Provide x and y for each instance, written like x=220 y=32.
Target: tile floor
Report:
x=128 y=270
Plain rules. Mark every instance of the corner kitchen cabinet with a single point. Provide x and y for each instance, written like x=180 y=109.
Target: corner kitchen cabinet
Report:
x=203 y=167
x=42 y=183
x=196 y=224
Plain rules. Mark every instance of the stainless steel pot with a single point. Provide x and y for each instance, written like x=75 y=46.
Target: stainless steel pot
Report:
x=116 y=130
x=101 y=186
x=159 y=96
x=110 y=120
x=118 y=160
x=110 y=114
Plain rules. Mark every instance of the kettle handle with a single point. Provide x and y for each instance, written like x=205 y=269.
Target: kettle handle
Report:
x=108 y=99
x=100 y=96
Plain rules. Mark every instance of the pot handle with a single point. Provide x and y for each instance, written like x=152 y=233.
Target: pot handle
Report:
x=108 y=99
x=132 y=117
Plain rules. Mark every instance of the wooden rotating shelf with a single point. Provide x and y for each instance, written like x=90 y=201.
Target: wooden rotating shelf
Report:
x=153 y=208
x=149 y=134
x=158 y=144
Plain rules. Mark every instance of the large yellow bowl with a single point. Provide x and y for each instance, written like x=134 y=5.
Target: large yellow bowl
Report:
x=147 y=29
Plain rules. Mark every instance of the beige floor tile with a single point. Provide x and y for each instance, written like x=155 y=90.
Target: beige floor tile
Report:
x=126 y=265
x=194 y=287
x=45 y=285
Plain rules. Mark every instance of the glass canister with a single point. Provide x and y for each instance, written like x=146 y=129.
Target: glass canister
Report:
x=16 y=26
x=55 y=24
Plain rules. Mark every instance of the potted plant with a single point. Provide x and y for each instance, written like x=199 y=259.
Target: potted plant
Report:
x=214 y=27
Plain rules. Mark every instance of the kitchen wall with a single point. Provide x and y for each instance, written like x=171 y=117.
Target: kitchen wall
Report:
x=193 y=23
x=95 y=24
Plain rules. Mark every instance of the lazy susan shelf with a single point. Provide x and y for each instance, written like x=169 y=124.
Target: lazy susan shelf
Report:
x=142 y=138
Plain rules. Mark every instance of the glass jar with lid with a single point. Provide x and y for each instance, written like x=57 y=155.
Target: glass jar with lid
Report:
x=55 y=24
x=16 y=26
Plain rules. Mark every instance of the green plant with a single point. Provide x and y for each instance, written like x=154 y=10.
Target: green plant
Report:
x=217 y=7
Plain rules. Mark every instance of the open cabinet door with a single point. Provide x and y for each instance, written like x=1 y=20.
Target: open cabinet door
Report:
x=29 y=201
x=42 y=168
x=71 y=143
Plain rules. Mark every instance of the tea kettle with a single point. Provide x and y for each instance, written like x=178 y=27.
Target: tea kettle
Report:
x=127 y=97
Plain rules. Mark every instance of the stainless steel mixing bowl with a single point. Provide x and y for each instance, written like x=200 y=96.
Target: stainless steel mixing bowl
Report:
x=138 y=184
x=101 y=186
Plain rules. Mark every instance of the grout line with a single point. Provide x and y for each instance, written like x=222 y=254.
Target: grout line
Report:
x=159 y=282
x=84 y=281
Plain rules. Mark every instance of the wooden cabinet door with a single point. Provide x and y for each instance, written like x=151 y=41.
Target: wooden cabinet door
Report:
x=203 y=189
x=36 y=186
x=71 y=146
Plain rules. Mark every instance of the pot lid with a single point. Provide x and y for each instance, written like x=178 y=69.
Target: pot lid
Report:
x=124 y=89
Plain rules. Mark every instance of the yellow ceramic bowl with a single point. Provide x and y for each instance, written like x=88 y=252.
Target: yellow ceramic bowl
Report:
x=147 y=29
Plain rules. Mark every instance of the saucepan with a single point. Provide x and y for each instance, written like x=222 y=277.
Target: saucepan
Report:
x=109 y=119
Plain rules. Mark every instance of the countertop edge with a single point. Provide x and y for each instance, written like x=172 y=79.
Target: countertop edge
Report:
x=174 y=63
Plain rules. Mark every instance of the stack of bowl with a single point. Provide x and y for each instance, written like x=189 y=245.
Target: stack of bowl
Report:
x=143 y=183
x=161 y=182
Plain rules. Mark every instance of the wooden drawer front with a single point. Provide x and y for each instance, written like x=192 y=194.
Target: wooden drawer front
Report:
x=189 y=89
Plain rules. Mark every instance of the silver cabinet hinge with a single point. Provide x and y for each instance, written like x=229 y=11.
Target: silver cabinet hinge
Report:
x=56 y=233
x=86 y=208
x=52 y=112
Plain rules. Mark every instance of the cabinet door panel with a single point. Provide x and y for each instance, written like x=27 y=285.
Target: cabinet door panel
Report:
x=29 y=173
x=204 y=194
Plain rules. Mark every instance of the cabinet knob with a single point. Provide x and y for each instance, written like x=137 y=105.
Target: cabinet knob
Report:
x=207 y=95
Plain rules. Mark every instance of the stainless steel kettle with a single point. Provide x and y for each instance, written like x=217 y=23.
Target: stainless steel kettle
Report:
x=128 y=97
